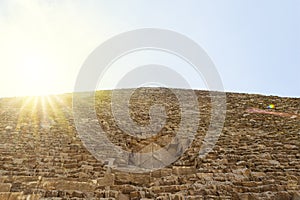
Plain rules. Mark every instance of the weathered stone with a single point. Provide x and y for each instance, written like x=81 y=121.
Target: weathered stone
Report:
x=107 y=180
x=256 y=156
x=184 y=170
x=177 y=197
x=34 y=196
x=205 y=176
x=8 y=128
x=274 y=162
x=258 y=175
x=5 y=187
x=68 y=185
x=282 y=195
x=78 y=194
x=247 y=196
x=135 y=195
x=296 y=196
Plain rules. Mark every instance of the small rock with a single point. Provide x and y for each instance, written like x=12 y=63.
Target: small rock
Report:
x=274 y=162
x=8 y=128
x=78 y=194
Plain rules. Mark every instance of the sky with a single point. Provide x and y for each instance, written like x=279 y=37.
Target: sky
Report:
x=255 y=45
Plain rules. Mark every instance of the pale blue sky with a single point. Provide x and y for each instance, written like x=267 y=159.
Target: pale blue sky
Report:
x=255 y=45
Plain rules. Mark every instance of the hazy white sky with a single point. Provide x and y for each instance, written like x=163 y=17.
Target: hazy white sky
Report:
x=255 y=45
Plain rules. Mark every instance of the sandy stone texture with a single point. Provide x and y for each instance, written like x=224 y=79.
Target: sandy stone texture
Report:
x=257 y=155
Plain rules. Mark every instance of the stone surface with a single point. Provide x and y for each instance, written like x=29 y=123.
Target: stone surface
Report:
x=257 y=156
x=5 y=187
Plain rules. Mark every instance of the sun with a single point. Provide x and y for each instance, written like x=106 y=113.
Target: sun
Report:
x=35 y=74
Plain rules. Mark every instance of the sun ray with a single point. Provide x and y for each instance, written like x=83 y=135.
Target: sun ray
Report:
x=45 y=121
x=23 y=113
x=60 y=111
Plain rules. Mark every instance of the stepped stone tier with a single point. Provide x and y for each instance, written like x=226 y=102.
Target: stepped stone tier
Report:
x=257 y=155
